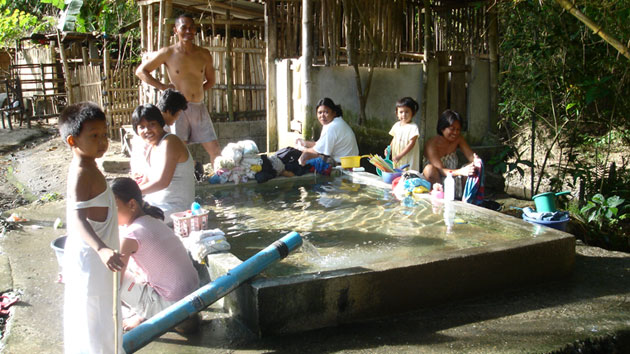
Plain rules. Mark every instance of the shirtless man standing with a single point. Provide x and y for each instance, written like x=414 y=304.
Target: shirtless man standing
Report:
x=191 y=72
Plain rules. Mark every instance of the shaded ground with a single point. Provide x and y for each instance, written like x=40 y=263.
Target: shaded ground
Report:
x=589 y=311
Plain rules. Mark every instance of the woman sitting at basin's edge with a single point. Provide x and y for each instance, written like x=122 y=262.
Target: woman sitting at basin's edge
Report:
x=440 y=152
x=337 y=138
x=169 y=181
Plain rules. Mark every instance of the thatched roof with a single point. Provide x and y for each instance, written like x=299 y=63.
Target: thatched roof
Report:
x=240 y=9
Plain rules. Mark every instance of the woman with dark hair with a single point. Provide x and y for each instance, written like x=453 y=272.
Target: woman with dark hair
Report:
x=169 y=182
x=337 y=138
x=162 y=272
x=440 y=152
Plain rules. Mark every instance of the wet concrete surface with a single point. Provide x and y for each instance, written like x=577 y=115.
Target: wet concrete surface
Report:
x=590 y=305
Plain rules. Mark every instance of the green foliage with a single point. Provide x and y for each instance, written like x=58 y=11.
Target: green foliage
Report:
x=603 y=211
x=70 y=19
x=56 y=3
x=20 y=18
x=50 y=197
x=14 y=24
x=556 y=71
x=500 y=164
x=602 y=222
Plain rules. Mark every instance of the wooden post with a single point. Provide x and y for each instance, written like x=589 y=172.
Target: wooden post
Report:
x=160 y=33
x=493 y=51
x=324 y=32
x=85 y=56
x=66 y=69
x=168 y=29
x=143 y=28
x=425 y=77
x=229 y=77
x=166 y=10
x=271 y=54
x=307 y=57
x=532 y=154
x=427 y=28
x=150 y=30
x=106 y=74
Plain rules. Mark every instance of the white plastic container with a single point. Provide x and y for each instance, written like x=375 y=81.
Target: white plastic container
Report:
x=449 y=187
x=449 y=216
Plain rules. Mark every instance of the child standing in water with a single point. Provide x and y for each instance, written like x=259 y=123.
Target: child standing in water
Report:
x=405 y=134
x=90 y=254
x=164 y=273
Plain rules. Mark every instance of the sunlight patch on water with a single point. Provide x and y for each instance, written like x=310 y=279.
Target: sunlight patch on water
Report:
x=345 y=224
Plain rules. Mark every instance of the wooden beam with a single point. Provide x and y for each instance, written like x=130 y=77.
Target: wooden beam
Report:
x=209 y=21
x=454 y=68
x=230 y=8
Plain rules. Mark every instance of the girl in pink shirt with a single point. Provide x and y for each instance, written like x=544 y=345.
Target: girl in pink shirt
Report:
x=161 y=272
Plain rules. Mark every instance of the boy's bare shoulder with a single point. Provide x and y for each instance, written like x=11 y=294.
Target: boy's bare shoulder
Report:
x=87 y=181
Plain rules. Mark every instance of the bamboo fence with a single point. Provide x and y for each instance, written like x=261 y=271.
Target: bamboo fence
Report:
x=245 y=82
x=116 y=92
x=391 y=30
x=463 y=28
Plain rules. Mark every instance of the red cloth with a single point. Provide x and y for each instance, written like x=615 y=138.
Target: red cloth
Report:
x=395 y=182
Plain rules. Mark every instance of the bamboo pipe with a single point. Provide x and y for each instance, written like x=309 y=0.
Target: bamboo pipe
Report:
x=598 y=30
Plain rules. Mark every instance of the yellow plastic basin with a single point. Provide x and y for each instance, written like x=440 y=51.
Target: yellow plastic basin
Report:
x=352 y=161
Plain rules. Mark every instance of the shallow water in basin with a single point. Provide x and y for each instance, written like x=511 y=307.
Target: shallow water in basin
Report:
x=346 y=224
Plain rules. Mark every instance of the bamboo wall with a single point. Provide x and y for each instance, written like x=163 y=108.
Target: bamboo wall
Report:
x=121 y=96
x=396 y=26
x=87 y=84
x=117 y=94
x=463 y=28
x=248 y=77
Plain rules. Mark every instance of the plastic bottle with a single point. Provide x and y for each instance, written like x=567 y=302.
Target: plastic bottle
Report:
x=195 y=208
x=449 y=187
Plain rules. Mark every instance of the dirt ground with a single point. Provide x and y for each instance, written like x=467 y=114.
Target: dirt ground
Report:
x=36 y=169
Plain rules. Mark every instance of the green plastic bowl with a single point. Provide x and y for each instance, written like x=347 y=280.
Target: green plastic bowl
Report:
x=546 y=202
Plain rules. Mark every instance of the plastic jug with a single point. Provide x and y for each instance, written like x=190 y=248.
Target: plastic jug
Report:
x=196 y=208
x=449 y=187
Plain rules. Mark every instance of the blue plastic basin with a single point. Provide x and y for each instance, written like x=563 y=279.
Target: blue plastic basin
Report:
x=555 y=224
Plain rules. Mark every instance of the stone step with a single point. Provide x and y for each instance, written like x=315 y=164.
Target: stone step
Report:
x=114 y=164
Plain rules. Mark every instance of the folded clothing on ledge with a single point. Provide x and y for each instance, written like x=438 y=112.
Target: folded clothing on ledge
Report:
x=204 y=242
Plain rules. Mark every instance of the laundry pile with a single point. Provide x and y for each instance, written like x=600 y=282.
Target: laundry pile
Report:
x=238 y=163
